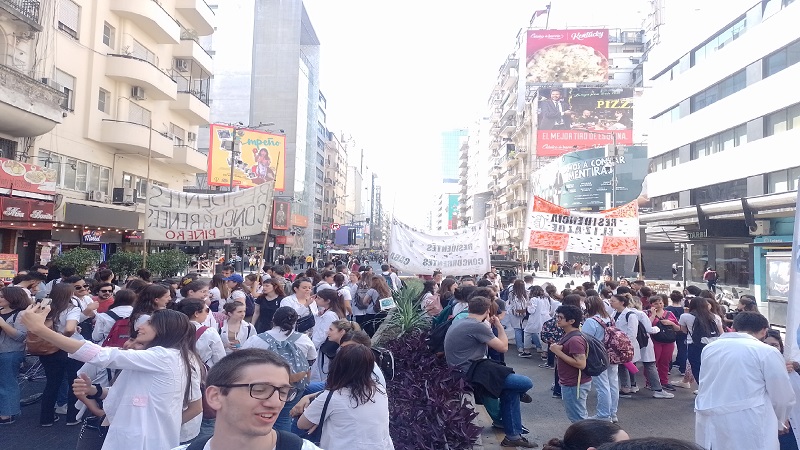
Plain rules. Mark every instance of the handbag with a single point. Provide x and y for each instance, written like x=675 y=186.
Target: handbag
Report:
x=39 y=347
x=316 y=436
x=667 y=334
x=305 y=323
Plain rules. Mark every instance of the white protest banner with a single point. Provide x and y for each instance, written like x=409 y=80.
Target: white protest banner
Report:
x=464 y=251
x=184 y=216
x=792 y=343
x=611 y=232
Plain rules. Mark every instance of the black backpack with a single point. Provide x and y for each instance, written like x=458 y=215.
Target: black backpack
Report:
x=707 y=331
x=596 y=356
x=285 y=440
x=435 y=339
x=385 y=361
x=642 y=338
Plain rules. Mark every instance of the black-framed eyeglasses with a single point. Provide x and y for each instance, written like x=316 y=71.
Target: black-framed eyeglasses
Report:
x=106 y=291
x=263 y=391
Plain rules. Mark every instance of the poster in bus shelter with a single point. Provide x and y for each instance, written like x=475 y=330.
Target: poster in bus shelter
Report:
x=262 y=158
x=8 y=265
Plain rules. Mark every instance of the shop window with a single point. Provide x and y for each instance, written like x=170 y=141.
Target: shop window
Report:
x=733 y=263
x=730 y=190
x=698 y=261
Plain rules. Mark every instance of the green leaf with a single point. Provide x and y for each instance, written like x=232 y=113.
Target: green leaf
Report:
x=81 y=259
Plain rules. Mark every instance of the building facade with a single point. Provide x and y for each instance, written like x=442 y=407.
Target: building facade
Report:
x=133 y=86
x=724 y=122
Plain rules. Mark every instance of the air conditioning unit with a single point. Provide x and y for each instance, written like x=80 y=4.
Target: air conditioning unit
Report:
x=137 y=92
x=123 y=196
x=761 y=228
x=192 y=136
x=182 y=65
x=96 y=196
x=671 y=204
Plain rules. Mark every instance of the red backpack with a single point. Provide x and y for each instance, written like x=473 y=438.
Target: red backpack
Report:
x=618 y=344
x=120 y=332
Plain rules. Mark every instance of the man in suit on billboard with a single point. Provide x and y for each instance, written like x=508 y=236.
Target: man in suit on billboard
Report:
x=554 y=114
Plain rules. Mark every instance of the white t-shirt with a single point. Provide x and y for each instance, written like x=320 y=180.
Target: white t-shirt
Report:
x=301 y=309
x=343 y=417
x=321 y=324
x=687 y=320
x=191 y=429
x=303 y=342
x=71 y=313
x=214 y=294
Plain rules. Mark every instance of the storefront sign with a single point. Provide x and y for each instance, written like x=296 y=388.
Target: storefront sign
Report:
x=27 y=177
x=702 y=234
x=8 y=265
x=611 y=232
x=25 y=214
x=284 y=240
x=299 y=221
x=97 y=216
x=92 y=236
x=184 y=216
x=462 y=251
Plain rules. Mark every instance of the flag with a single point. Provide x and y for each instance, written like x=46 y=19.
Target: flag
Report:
x=541 y=12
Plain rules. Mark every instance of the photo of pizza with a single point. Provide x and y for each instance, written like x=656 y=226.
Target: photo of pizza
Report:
x=35 y=177
x=12 y=167
x=567 y=63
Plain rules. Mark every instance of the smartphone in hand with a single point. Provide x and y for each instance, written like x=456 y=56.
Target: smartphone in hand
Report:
x=45 y=302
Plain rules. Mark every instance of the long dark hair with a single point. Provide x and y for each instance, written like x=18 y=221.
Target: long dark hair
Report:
x=145 y=304
x=276 y=286
x=173 y=330
x=16 y=297
x=444 y=287
x=61 y=299
x=352 y=368
x=703 y=318
x=193 y=285
x=518 y=289
x=335 y=302
x=584 y=434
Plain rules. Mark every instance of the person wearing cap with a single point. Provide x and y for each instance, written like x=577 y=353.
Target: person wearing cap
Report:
x=235 y=284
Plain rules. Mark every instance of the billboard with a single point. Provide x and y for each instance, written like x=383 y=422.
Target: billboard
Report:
x=582 y=179
x=280 y=215
x=452 y=211
x=262 y=158
x=566 y=56
x=578 y=118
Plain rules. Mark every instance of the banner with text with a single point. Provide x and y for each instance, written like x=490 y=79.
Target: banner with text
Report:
x=792 y=352
x=184 y=216
x=610 y=232
x=464 y=251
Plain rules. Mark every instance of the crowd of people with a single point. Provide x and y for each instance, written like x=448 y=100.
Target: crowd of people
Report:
x=279 y=359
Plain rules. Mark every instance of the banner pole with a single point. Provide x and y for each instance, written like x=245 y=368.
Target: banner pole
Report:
x=147 y=194
x=268 y=217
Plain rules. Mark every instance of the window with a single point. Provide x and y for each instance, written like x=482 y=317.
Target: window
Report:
x=103 y=97
x=8 y=148
x=670 y=115
x=75 y=174
x=782 y=59
x=319 y=174
x=178 y=134
x=783 y=120
x=729 y=190
x=782 y=180
x=69 y=17
x=137 y=114
x=726 y=140
x=318 y=189
x=317 y=219
x=717 y=92
x=140 y=184
x=108 y=34
x=67 y=83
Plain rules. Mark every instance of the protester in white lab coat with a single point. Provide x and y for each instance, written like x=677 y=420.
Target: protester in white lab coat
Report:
x=789 y=437
x=627 y=320
x=743 y=383
x=144 y=406
x=235 y=331
x=209 y=344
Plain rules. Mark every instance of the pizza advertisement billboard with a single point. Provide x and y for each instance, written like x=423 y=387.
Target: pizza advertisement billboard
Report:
x=579 y=118
x=566 y=56
x=262 y=158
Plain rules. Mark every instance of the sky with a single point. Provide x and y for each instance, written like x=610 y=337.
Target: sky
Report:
x=398 y=74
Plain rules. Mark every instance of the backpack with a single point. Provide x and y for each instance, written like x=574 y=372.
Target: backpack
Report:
x=618 y=345
x=435 y=339
x=385 y=361
x=432 y=306
x=642 y=338
x=361 y=299
x=709 y=332
x=249 y=305
x=37 y=346
x=666 y=335
x=120 y=331
x=551 y=333
x=289 y=351
x=443 y=316
x=388 y=279
x=596 y=356
x=285 y=440
x=505 y=292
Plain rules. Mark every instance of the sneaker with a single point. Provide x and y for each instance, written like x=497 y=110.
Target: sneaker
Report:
x=604 y=419
x=634 y=389
x=73 y=422
x=625 y=395
x=683 y=384
x=695 y=392
x=525 y=355
x=662 y=394
x=8 y=421
x=520 y=442
x=51 y=423
x=545 y=366
x=525 y=398
x=614 y=419
x=556 y=395
x=61 y=409
x=668 y=387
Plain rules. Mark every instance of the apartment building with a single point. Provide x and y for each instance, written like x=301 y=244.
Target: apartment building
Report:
x=335 y=184
x=725 y=122
x=133 y=86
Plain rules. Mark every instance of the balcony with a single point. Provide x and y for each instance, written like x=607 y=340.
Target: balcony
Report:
x=139 y=72
x=28 y=108
x=135 y=138
x=151 y=17
x=190 y=49
x=26 y=11
x=508 y=126
x=192 y=108
x=188 y=159
x=198 y=15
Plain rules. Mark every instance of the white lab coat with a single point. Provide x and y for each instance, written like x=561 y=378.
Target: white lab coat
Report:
x=649 y=352
x=743 y=383
x=209 y=345
x=539 y=310
x=631 y=328
x=144 y=405
x=794 y=413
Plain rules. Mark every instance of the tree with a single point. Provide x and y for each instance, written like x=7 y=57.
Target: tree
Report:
x=81 y=259
x=168 y=263
x=124 y=264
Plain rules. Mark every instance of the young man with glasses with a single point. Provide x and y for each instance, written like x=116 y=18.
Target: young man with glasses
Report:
x=571 y=354
x=248 y=389
x=82 y=298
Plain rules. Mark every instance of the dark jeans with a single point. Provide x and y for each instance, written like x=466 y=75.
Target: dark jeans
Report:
x=56 y=367
x=494 y=354
x=788 y=441
x=680 y=359
x=693 y=355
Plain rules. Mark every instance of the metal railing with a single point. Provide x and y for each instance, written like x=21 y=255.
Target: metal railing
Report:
x=26 y=8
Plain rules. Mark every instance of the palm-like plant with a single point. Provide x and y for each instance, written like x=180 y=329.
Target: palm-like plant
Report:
x=406 y=317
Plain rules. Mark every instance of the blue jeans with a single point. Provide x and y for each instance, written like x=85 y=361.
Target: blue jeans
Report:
x=519 y=339
x=9 y=387
x=312 y=388
x=607 y=386
x=693 y=356
x=509 y=403
x=533 y=338
x=284 y=421
x=574 y=398
x=680 y=358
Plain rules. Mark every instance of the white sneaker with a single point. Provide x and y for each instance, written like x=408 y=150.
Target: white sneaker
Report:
x=683 y=384
x=634 y=389
x=614 y=419
x=695 y=392
x=662 y=394
x=61 y=409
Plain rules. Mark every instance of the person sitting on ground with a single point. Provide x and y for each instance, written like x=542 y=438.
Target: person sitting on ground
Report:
x=587 y=434
x=651 y=443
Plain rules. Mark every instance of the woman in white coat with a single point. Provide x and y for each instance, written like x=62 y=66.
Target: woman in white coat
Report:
x=628 y=319
x=235 y=331
x=144 y=406
x=649 y=352
x=539 y=310
x=209 y=344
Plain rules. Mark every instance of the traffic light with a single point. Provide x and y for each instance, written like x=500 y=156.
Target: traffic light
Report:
x=351 y=236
